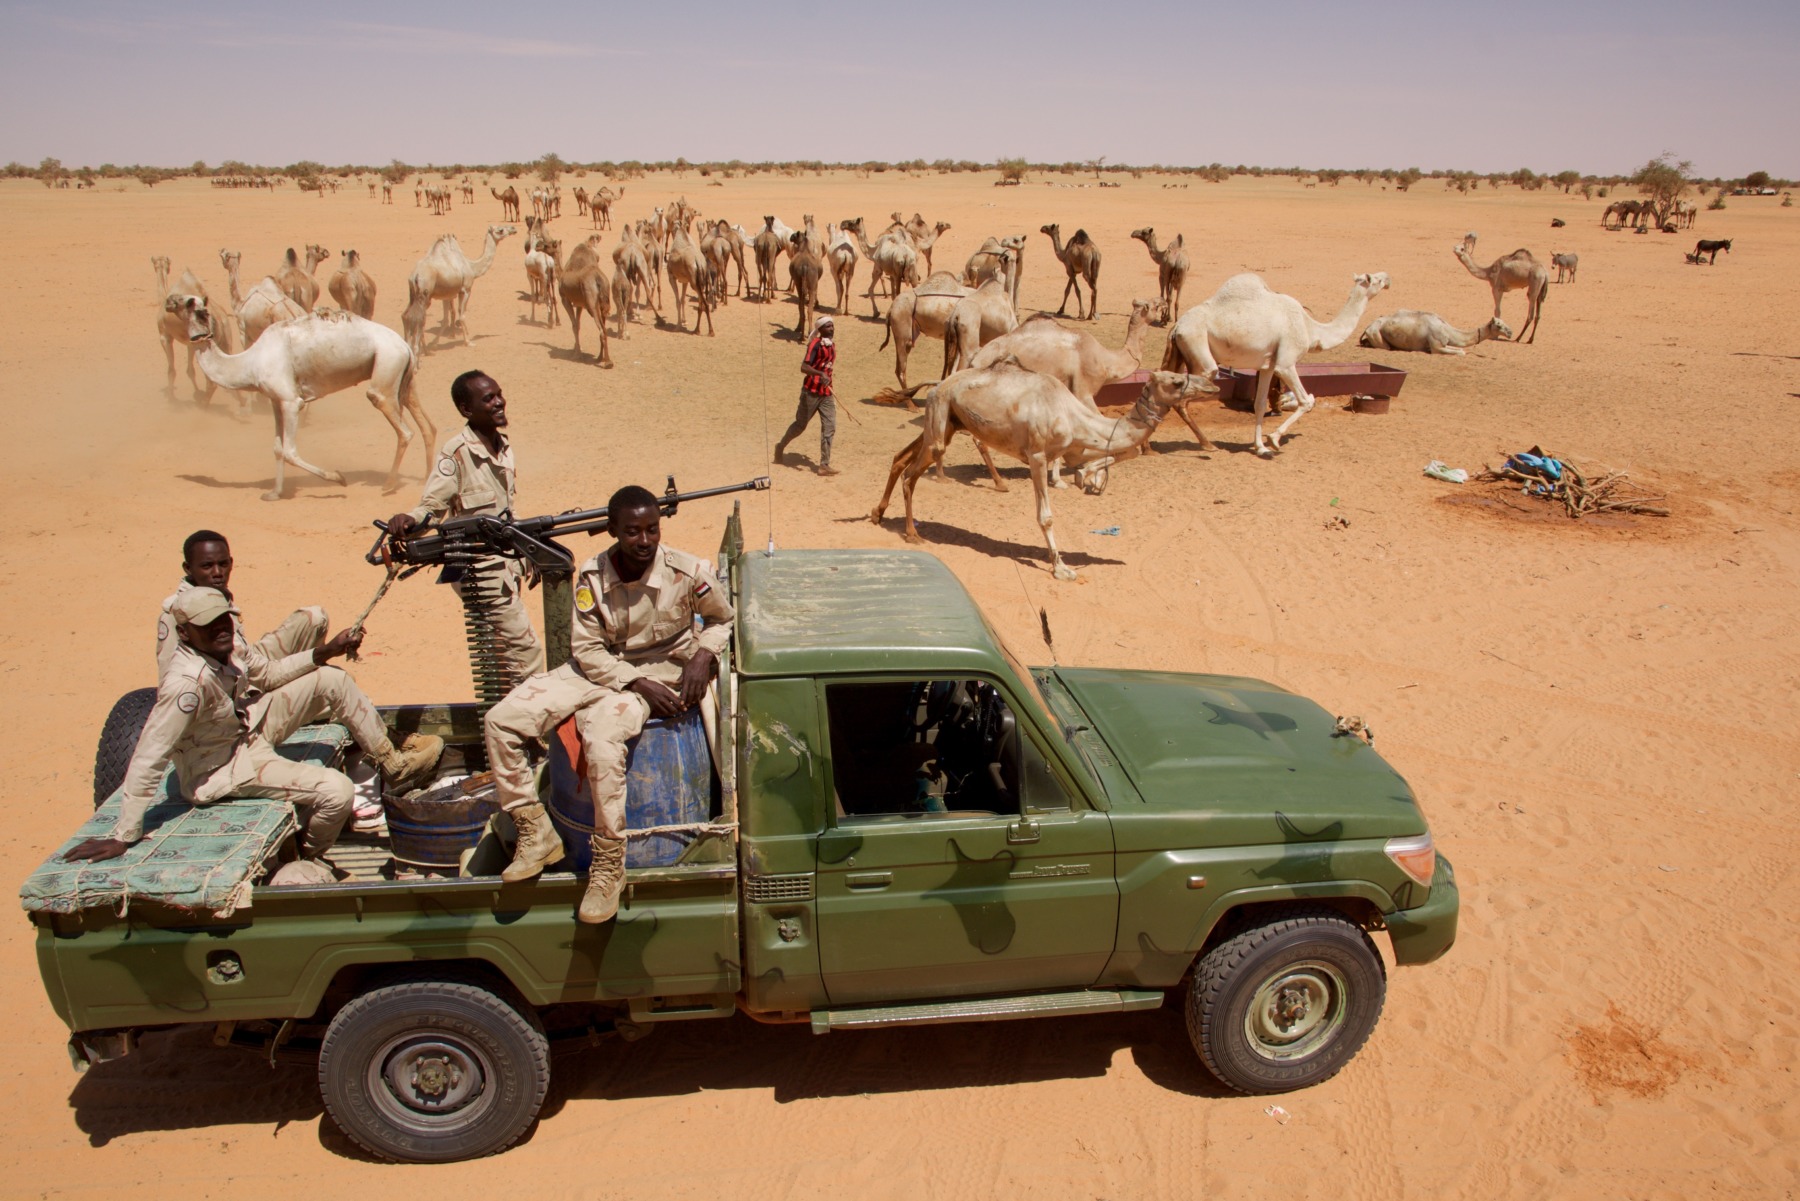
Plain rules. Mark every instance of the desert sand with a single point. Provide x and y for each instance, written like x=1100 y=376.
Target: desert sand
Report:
x=1600 y=717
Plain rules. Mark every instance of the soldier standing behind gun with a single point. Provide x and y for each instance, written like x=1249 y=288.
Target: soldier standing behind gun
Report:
x=474 y=474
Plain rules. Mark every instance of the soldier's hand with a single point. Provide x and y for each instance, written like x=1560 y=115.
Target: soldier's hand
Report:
x=398 y=525
x=96 y=849
x=663 y=700
x=345 y=642
x=695 y=676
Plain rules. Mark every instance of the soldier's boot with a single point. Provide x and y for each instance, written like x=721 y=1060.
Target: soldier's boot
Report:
x=411 y=764
x=539 y=844
x=606 y=880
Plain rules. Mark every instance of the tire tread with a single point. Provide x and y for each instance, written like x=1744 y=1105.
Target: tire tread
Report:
x=118 y=741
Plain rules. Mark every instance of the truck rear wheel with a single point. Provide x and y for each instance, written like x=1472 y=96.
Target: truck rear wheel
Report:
x=433 y=1072
x=118 y=739
x=1287 y=1004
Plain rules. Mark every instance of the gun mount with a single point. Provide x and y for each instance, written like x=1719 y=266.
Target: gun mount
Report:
x=466 y=547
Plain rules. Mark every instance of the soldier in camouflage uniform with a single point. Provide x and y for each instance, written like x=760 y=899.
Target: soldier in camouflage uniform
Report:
x=282 y=654
x=475 y=474
x=634 y=653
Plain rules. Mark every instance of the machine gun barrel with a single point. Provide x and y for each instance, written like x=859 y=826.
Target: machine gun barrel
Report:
x=529 y=538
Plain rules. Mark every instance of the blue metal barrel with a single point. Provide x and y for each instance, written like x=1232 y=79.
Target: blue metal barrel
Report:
x=433 y=828
x=668 y=781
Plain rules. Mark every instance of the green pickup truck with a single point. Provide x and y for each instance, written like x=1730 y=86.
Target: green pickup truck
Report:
x=908 y=825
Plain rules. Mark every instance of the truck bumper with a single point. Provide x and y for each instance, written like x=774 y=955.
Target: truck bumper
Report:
x=1423 y=934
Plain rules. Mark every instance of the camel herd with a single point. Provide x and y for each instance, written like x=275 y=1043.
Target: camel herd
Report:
x=1026 y=388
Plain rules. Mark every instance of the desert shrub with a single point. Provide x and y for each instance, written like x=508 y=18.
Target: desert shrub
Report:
x=1011 y=169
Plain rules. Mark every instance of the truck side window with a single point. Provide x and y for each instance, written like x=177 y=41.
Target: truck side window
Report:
x=933 y=746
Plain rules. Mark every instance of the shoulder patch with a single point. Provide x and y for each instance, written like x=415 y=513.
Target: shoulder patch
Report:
x=162 y=628
x=584 y=599
x=447 y=466
x=187 y=702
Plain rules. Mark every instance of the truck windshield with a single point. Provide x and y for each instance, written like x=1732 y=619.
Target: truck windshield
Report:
x=1025 y=678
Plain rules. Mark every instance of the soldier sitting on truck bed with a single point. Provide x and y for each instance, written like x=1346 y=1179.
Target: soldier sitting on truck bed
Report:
x=634 y=654
x=222 y=739
x=475 y=474
x=278 y=656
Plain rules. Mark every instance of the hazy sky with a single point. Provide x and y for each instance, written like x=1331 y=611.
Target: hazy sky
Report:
x=1597 y=87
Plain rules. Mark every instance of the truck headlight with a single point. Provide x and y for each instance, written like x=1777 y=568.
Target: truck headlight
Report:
x=1415 y=855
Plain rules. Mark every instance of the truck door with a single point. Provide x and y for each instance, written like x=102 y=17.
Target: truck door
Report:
x=955 y=861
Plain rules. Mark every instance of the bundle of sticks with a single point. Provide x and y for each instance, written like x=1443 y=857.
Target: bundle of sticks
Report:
x=1577 y=492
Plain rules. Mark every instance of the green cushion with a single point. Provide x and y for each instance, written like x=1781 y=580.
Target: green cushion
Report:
x=198 y=858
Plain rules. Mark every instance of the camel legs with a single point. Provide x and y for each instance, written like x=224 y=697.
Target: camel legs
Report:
x=168 y=345
x=574 y=325
x=385 y=405
x=986 y=459
x=603 y=358
x=1062 y=309
x=1290 y=375
x=1093 y=297
x=1039 y=485
x=901 y=459
x=287 y=420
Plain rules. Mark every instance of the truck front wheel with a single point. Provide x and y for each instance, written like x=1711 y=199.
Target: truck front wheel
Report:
x=1286 y=1004
x=433 y=1072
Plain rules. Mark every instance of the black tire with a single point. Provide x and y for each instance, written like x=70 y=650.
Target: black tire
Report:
x=118 y=739
x=487 y=1062
x=1287 y=1004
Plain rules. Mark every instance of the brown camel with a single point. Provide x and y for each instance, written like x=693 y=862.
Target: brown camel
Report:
x=353 y=290
x=584 y=288
x=977 y=320
x=1081 y=259
x=767 y=247
x=1171 y=268
x=1034 y=419
x=689 y=272
x=298 y=282
x=840 y=259
x=1510 y=273
x=509 y=203
x=920 y=312
x=804 y=270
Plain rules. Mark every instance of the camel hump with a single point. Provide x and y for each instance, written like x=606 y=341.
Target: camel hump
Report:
x=1081 y=236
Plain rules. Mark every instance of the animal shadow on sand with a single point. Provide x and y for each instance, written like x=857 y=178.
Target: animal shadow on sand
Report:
x=1031 y=554
x=301 y=485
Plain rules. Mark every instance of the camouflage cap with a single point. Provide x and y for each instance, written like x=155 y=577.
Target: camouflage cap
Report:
x=200 y=606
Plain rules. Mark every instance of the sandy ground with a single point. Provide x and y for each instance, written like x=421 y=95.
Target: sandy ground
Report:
x=1600 y=719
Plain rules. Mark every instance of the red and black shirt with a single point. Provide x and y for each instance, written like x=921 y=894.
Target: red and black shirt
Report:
x=820 y=354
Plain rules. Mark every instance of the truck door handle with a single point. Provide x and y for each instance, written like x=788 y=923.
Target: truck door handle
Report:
x=1023 y=830
x=869 y=879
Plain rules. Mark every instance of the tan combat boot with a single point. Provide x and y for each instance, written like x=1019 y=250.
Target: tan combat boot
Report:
x=606 y=880
x=539 y=843
x=409 y=766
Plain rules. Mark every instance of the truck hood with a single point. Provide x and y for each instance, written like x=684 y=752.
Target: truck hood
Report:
x=1244 y=753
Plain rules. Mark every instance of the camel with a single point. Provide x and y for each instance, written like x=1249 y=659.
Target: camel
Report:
x=840 y=259
x=920 y=312
x=300 y=283
x=585 y=289
x=541 y=270
x=509 y=202
x=262 y=306
x=1247 y=326
x=977 y=320
x=804 y=272
x=653 y=256
x=631 y=274
x=1034 y=419
x=600 y=206
x=688 y=271
x=1634 y=212
x=298 y=361
x=721 y=249
x=449 y=275
x=1565 y=265
x=1428 y=333
x=923 y=237
x=1081 y=259
x=170 y=328
x=353 y=290
x=767 y=246
x=1510 y=273
x=387 y=193
x=987 y=261
x=892 y=260
x=1171 y=268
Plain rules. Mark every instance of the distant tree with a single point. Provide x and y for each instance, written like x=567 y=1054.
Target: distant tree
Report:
x=1567 y=179
x=1408 y=178
x=550 y=167
x=1757 y=179
x=1095 y=164
x=199 y=168
x=1012 y=169
x=1664 y=181
x=49 y=171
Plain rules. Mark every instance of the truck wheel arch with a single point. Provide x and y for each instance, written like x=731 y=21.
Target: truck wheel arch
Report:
x=1235 y=912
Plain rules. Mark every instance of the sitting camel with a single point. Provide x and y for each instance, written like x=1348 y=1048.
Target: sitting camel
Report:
x=1034 y=419
x=298 y=361
x=1247 y=326
x=1509 y=274
x=1428 y=333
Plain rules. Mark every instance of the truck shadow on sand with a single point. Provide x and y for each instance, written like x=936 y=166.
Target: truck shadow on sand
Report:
x=177 y=1080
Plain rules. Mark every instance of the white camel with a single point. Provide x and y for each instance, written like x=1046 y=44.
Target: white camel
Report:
x=1410 y=329
x=265 y=304
x=1034 y=419
x=170 y=329
x=1246 y=326
x=298 y=361
x=449 y=275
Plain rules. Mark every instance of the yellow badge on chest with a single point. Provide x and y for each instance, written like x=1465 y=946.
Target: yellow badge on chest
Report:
x=584 y=599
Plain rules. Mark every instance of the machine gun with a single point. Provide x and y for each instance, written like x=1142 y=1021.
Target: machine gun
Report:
x=467 y=547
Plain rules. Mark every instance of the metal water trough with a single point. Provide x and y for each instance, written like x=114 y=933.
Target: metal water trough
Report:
x=1238 y=388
